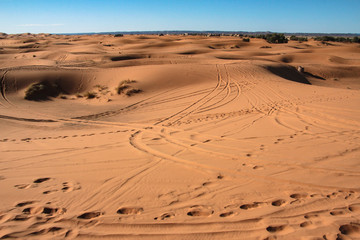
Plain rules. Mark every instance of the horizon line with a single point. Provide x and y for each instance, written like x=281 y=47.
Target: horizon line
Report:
x=184 y=31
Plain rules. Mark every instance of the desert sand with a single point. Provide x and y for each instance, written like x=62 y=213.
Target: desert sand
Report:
x=225 y=140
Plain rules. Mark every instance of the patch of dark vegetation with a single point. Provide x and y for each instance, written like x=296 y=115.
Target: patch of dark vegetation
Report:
x=125 y=87
x=133 y=91
x=265 y=47
x=300 y=39
x=121 y=89
x=337 y=39
x=42 y=91
x=246 y=39
x=119 y=35
x=273 y=37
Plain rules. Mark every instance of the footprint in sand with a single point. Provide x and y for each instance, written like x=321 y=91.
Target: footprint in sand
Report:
x=206 y=184
x=49 y=191
x=36 y=181
x=349 y=229
x=226 y=214
x=40 y=180
x=305 y=224
x=200 y=211
x=298 y=196
x=68 y=187
x=89 y=215
x=130 y=210
x=311 y=215
x=274 y=229
x=22 y=204
x=20 y=218
x=278 y=203
x=354 y=207
x=250 y=205
x=165 y=216
x=65 y=187
x=22 y=186
x=43 y=210
x=337 y=212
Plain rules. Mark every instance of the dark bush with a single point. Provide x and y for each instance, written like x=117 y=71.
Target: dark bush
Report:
x=133 y=91
x=300 y=39
x=90 y=95
x=123 y=85
x=42 y=91
x=118 y=35
x=246 y=39
x=273 y=37
x=276 y=38
x=336 y=39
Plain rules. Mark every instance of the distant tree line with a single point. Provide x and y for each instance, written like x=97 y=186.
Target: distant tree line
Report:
x=337 y=39
x=272 y=38
x=300 y=39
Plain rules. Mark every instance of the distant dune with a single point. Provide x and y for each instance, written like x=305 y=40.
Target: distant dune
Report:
x=178 y=137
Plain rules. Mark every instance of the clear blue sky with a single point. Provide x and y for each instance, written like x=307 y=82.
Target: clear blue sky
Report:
x=76 y=16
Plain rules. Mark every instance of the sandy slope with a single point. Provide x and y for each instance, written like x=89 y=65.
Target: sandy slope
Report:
x=226 y=141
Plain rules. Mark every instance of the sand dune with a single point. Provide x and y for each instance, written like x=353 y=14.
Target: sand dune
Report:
x=179 y=137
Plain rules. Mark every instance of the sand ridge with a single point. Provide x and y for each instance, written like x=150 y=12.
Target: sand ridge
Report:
x=225 y=140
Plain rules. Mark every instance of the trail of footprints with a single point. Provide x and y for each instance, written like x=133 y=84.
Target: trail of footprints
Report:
x=60 y=137
x=31 y=209
x=50 y=188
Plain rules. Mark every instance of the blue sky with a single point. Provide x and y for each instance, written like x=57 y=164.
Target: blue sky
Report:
x=76 y=16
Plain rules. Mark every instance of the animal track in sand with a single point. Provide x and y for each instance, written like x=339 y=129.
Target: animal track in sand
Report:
x=311 y=215
x=22 y=186
x=40 y=180
x=226 y=214
x=65 y=187
x=89 y=215
x=22 y=204
x=305 y=224
x=349 y=229
x=274 y=229
x=43 y=210
x=354 y=207
x=278 y=203
x=165 y=216
x=130 y=210
x=199 y=211
x=298 y=195
x=250 y=205
x=337 y=212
